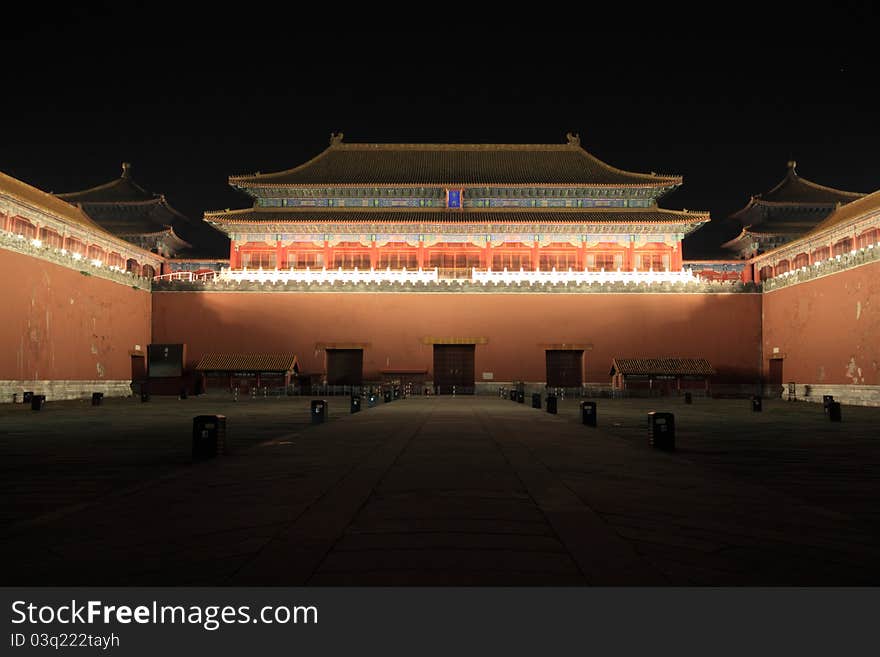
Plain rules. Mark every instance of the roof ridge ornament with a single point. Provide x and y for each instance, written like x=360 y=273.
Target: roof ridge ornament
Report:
x=126 y=169
x=336 y=138
x=791 y=166
x=573 y=138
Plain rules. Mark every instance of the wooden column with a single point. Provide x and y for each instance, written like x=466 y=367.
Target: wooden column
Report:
x=374 y=255
x=629 y=258
x=676 y=257
x=486 y=255
x=748 y=273
x=582 y=256
x=536 y=257
x=233 y=255
x=279 y=255
x=328 y=255
x=420 y=255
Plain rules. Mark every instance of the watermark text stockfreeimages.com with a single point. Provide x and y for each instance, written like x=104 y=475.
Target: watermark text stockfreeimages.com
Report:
x=210 y=617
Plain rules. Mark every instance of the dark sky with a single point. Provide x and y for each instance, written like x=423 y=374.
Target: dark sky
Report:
x=724 y=98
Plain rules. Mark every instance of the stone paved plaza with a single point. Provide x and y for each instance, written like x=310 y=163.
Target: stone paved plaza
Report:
x=466 y=490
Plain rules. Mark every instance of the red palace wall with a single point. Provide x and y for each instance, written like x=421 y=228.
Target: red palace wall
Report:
x=827 y=330
x=725 y=329
x=60 y=325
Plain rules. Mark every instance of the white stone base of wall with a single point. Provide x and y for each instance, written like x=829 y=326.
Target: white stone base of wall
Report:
x=855 y=395
x=55 y=390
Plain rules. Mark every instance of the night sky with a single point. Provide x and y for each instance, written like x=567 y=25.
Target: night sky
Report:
x=724 y=99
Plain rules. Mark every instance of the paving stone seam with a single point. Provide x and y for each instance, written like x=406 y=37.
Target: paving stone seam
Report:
x=413 y=432
x=630 y=567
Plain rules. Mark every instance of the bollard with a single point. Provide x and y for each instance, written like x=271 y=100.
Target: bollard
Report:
x=355 y=403
x=395 y=393
x=209 y=436
x=662 y=430
x=97 y=398
x=501 y=392
x=521 y=396
x=512 y=395
x=827 y=400
x=386 y=396
x=372 y=400
x=834 y=413
x=182 y=394
x=319 y=411
x=588 y=413
x=27 y=396
x=551 y=404
x=688 y=398
x=37 y=402
x=756 y=403
x=536 y=400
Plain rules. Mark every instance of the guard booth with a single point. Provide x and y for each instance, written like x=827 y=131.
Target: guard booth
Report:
x=247 y=372
x=661 y=377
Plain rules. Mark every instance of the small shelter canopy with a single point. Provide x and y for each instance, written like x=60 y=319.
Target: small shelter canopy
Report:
x=661 y=366
x=230 y=362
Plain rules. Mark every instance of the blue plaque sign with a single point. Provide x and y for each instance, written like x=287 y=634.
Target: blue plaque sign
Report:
x=453 y=198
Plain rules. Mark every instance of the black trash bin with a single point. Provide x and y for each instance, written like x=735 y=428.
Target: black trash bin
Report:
x=387 y=397
x=502 y=392
x=827 y=400
x=588 y=413
x=355 y=403
x=834 y=413
x=395 y=393
x=536 y=400
x=688 y=398
x=37 y=402
x=512 y=395
x=662 y=430
x=97 y=398
x=319 y=411
x=145 y=397
x=521 y=396
x=756 y=403
x=182 y=394
x=209 y=436
x=27 y=396
x=551 y=404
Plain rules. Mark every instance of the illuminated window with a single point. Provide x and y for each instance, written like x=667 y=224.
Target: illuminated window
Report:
x=606 y=261
x=73 y=245
x=655 y=261
x=822 y=253
x=561 y=261
x=802 y=260
x=96 y=253
x=24 y=227
x=258 y=259
x=512 y=261
x=351 y=259
x=303 y=259
x=868 y=237
x=50 y=238
x=398 y=260
x=843 y=246
x=782 y=267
